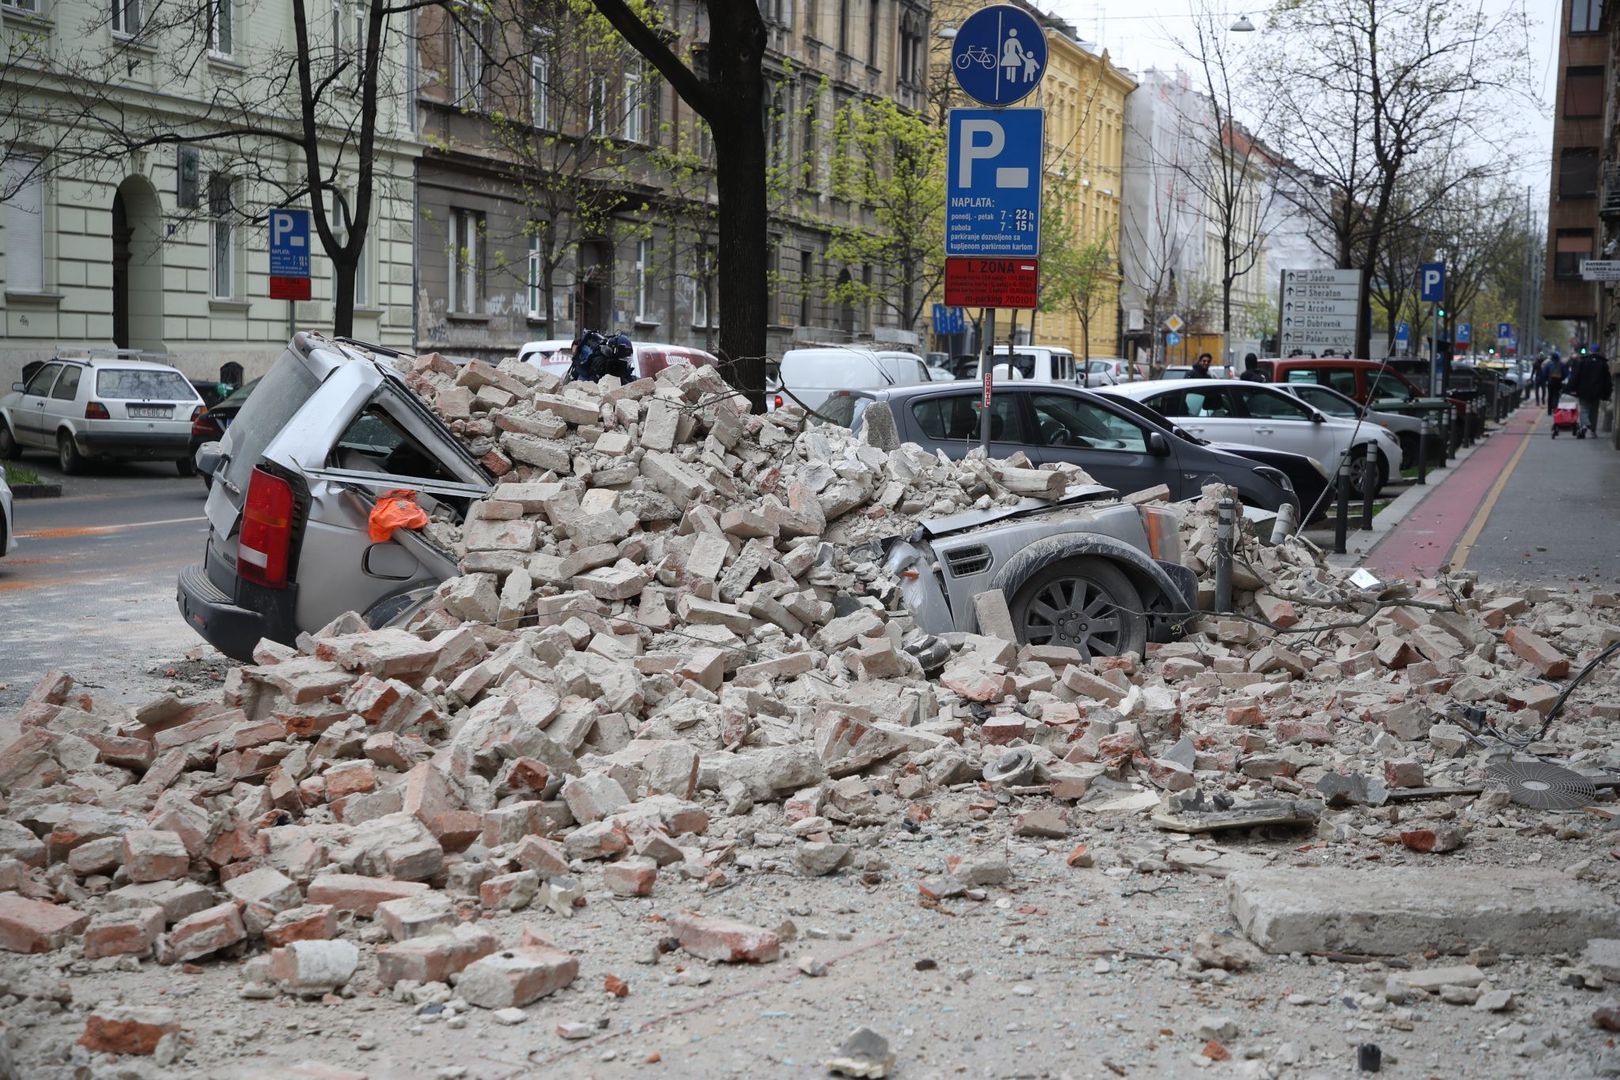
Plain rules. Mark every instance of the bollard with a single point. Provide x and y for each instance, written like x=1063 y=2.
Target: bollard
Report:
x=1225 y=514
x=1369 y=485
x=1423 y=450
x=1341 y=519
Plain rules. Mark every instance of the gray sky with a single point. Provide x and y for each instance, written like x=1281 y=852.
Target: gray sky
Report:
x=1137 y=34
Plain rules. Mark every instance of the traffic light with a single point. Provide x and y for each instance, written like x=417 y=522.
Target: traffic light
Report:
x=1440 y=312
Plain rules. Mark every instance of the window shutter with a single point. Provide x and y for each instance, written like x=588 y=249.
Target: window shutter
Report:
x=25 y=227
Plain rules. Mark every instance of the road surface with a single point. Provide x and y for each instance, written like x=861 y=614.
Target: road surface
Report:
x=90 y=588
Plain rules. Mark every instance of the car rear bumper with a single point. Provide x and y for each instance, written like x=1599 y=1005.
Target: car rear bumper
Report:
x=135 y=444
x=234 y=631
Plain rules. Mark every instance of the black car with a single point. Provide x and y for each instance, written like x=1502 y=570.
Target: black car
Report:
x=1126 y=448
x=211 y=425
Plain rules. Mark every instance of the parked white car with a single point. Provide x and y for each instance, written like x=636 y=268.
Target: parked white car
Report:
x=555 y=354
x=1234 y=411
x=101 y=407
x=1408 y=429
x=812 y=375
x=1108 y=370
x=8 y=530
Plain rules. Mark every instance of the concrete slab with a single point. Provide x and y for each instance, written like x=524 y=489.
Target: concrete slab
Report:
x=1391 y=912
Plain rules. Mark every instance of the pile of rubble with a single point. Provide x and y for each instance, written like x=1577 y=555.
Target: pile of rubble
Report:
x=664 y=629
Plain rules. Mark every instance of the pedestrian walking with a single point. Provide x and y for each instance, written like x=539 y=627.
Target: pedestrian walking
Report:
x=1200 y=368
x=1538 y=381
x=1251 y=369
x=1553 y=374
x=1591 y=386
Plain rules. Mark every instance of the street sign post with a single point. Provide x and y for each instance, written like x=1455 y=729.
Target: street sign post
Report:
x=1504 y=331
x=992 y=283
x=1432 y=291
x=1465 y=333
x=1320 y=311
x=289 y=254
x=1403 y=335
x=993 y=183
x=999 y=55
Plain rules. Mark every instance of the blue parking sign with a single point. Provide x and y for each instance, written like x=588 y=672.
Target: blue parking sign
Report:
x=1504 y=330
x=289 y=243
x=1465 y=333
x=993 y=183
x=1403 y=332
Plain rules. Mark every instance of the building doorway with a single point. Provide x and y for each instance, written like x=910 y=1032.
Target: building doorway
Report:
x=137 y=266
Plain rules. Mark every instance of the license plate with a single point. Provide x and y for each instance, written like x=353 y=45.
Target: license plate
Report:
x=148 y=412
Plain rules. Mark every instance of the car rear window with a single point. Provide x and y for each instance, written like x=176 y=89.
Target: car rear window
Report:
x=277 y=397
x=143 y=384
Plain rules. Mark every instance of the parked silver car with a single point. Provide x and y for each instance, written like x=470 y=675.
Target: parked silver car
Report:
x=331 y=426
x=101 y=407
x=8 y=530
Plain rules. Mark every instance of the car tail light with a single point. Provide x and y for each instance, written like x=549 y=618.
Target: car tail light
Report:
x=777 y=401
x=266 y=538
x=1163 y=533
x=95 y=410
x=205 y=426
x=196 y=414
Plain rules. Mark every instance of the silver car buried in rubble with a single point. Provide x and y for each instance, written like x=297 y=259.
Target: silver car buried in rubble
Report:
x=333 y=425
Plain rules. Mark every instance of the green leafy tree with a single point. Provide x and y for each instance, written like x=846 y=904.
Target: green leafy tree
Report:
x=1078 y=275
x=893 y=163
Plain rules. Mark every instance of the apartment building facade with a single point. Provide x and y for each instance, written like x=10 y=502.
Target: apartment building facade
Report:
x=1579 y=138
x=566 y=186
x=153 y=238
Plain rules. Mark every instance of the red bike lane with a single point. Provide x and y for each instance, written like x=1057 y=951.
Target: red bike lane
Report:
x=1424 y=541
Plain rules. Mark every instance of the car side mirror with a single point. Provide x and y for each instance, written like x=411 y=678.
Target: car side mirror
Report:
x=1317 y=418
x=208 y=455
x=18 y=387
x=1158 y=445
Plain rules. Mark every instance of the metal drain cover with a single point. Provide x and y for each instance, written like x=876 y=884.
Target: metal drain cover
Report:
x=1541 y=786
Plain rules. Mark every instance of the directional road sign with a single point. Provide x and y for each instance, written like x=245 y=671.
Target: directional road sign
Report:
x=1432 y=283
x=1320 y=310
x=289 y=254
x=999 y=55
x=1172 y=338
x=993 y=183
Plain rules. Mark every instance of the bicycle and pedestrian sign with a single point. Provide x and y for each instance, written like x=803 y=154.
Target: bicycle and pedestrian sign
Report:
x=999 y=55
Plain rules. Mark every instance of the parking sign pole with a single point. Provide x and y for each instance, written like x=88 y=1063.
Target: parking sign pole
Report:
x=988 y=367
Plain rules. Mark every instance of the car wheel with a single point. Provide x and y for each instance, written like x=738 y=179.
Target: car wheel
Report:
x=1084 y=603
x=184 y=466
x=67 y=454
x=9 y=448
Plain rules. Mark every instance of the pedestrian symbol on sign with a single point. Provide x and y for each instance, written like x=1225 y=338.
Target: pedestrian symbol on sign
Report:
x=999 y=54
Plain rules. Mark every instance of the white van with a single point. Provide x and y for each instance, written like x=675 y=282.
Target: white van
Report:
x=1040 y=363
x=813 y=375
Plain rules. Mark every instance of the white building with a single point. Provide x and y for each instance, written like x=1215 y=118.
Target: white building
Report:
x=164 y=249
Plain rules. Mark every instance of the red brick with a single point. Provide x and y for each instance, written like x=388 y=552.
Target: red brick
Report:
x=208 y=931
x=1537 y=652
x=350 y=778
x=630 y=878
x=33 y=926
x=1300 y=731
x=40 y=707
x=123 y=933
x=725 y=940
x=311 y=922
x=1001 y=730
x=359 y=894
x=1404 y=774
x=155 y=855
x=541 y=855
x=127 y=1029
x=1245 y=716
x=433 y=958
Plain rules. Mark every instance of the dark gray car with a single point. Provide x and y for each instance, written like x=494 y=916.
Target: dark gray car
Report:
x=1049 y=422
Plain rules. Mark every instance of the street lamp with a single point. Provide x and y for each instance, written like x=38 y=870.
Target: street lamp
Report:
x=1242 y=26
x=948 y=33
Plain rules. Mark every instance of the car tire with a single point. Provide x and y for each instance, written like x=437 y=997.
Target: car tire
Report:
x=1086 y=603
x=67 y=454
x=185 y=466
x=10 y=449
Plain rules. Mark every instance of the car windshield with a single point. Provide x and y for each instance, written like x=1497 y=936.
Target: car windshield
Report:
x=143 y=384
x=1328 y=400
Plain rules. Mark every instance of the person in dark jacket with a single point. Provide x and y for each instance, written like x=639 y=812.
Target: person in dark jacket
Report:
x=1251 y=369
x=1591 y=385
x=1200 y=368
x=1538 y=381
x=1553 y=372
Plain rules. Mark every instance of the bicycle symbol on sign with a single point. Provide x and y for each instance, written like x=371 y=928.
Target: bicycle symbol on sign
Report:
x=976 y=54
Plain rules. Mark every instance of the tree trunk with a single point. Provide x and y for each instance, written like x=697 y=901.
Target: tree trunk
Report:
x=343 y=272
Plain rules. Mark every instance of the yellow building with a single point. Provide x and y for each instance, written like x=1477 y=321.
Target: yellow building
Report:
x=1083 y=94
x=1084 y=97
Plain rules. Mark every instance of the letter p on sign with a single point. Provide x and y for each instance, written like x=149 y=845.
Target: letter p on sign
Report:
x=972 y=149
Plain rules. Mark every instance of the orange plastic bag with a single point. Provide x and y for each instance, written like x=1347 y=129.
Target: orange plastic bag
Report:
x=395 y=510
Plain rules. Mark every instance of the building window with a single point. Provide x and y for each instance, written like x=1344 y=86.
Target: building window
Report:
x=535 y=278
x=911 y=56
x=872 y=33
x=806 y=268
x=222 y=236
x=643 y=256
x=467 y=76
x=25 y=225
x=596 y=99
x=1570 y=248
x=635 y=101
x=466 y=260
x=703 y=274
x=21 y=5
x=1577 y=173
x=1585 y=16
x=807 y=140
x=777 y=106
x=220 y=15
x=540 y=85
x=781 y=12
x=126 y=17
x=843 y=26
x=1583 y=91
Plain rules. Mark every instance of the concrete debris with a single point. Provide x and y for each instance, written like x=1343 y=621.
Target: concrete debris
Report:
x=672 y=647
x=863 y=1053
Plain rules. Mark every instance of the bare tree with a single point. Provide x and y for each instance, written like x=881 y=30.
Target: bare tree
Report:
x=1367 y=90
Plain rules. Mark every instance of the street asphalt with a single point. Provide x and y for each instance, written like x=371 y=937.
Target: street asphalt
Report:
x=1557 y=519
x=90 y=588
